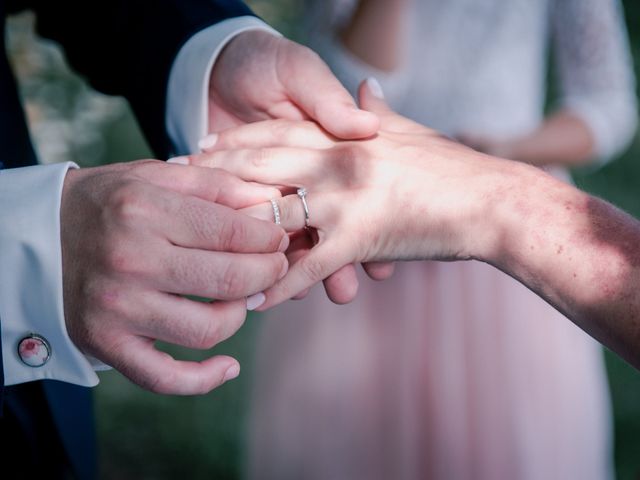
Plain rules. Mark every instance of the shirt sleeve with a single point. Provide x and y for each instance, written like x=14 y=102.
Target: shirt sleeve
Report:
x=595 y=70
x=188 y=90
x=31 y=299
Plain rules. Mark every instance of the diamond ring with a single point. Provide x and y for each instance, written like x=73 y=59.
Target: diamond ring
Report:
x=302 y=193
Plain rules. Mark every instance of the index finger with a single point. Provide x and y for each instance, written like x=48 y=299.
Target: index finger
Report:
x=196 y=223
x=212 y=184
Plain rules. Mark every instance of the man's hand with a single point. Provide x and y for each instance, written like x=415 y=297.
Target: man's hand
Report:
x=138 y=236
x=260 y=76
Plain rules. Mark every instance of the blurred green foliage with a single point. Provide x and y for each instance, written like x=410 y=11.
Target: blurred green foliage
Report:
x=145 y=436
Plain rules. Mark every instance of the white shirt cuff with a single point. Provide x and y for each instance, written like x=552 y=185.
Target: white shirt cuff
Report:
x=31 y=276
x=188 y=90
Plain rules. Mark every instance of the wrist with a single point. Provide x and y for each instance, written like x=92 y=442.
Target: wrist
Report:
x=458 y=205
x=523 y=203
x=500 y=198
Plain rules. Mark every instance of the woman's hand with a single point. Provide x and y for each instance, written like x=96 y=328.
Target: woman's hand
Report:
x=407 y=193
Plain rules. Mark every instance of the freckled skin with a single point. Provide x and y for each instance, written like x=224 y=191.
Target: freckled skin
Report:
x=583 y=258
x=451 y=203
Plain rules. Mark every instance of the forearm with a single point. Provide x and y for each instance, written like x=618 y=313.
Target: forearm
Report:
x=416 y=195
x=374 y=33
x=579 y=253
x=563 y=139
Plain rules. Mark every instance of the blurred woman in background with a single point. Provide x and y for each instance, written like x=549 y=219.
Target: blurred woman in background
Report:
x=453 y=371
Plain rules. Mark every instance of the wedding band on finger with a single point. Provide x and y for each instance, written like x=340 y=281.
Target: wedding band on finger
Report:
x=276 y=211
x=302 y=193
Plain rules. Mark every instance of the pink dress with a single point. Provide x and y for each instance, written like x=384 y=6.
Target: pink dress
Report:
x=452 y=371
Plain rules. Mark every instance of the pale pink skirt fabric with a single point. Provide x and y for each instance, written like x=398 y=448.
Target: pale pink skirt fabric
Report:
x=448 y=371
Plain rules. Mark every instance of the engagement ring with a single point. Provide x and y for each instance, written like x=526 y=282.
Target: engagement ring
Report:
x=302 y=193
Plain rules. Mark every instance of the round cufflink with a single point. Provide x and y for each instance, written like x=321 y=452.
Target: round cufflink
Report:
x=34 y=350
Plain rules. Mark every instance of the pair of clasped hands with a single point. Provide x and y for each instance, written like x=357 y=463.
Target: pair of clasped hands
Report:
x=138 y=238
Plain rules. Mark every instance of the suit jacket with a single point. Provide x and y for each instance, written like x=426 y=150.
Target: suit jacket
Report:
x=123 y=47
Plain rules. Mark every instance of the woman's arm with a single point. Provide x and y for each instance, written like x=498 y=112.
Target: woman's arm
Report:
x=563 y=139
x=594 y=70
x=374 y=33
x=411 y=194
x=597 y=115
x=578 y=252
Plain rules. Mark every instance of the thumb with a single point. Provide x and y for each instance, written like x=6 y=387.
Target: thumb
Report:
x=311 y=85
x=372 y=100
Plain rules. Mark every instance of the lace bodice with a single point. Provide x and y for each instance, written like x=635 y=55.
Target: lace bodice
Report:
x=480 y=66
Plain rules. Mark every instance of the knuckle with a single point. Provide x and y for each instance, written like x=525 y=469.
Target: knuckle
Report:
x=312 y=268
x=116 y=260
x=100 y=296
x=209 y=336
x=203 y=223
x=272 y=268
x=235 y=319
x=281 y=129
x=182 y=271
x=126 y=205
x=273 y=237
x=235 y=233
x=260 y=158
x=280 y=264
x=119 y=260
x=285 y=291
x=108 y=300
x=156 y=383
x=231 y=282
x=219 y=176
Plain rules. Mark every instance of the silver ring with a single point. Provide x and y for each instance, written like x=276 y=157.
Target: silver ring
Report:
x=276 y=211
x=302 y=193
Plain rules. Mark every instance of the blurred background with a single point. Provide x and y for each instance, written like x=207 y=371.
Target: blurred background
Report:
x=145 y=436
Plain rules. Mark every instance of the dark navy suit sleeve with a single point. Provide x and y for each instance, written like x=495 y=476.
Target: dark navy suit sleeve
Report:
x=127 y=47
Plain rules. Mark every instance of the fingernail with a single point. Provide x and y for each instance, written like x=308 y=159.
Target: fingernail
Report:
x=284 y=244
x=183 y=160
x=208 y=142
x=254 y=301
x=231 y=373
x=375 y=87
